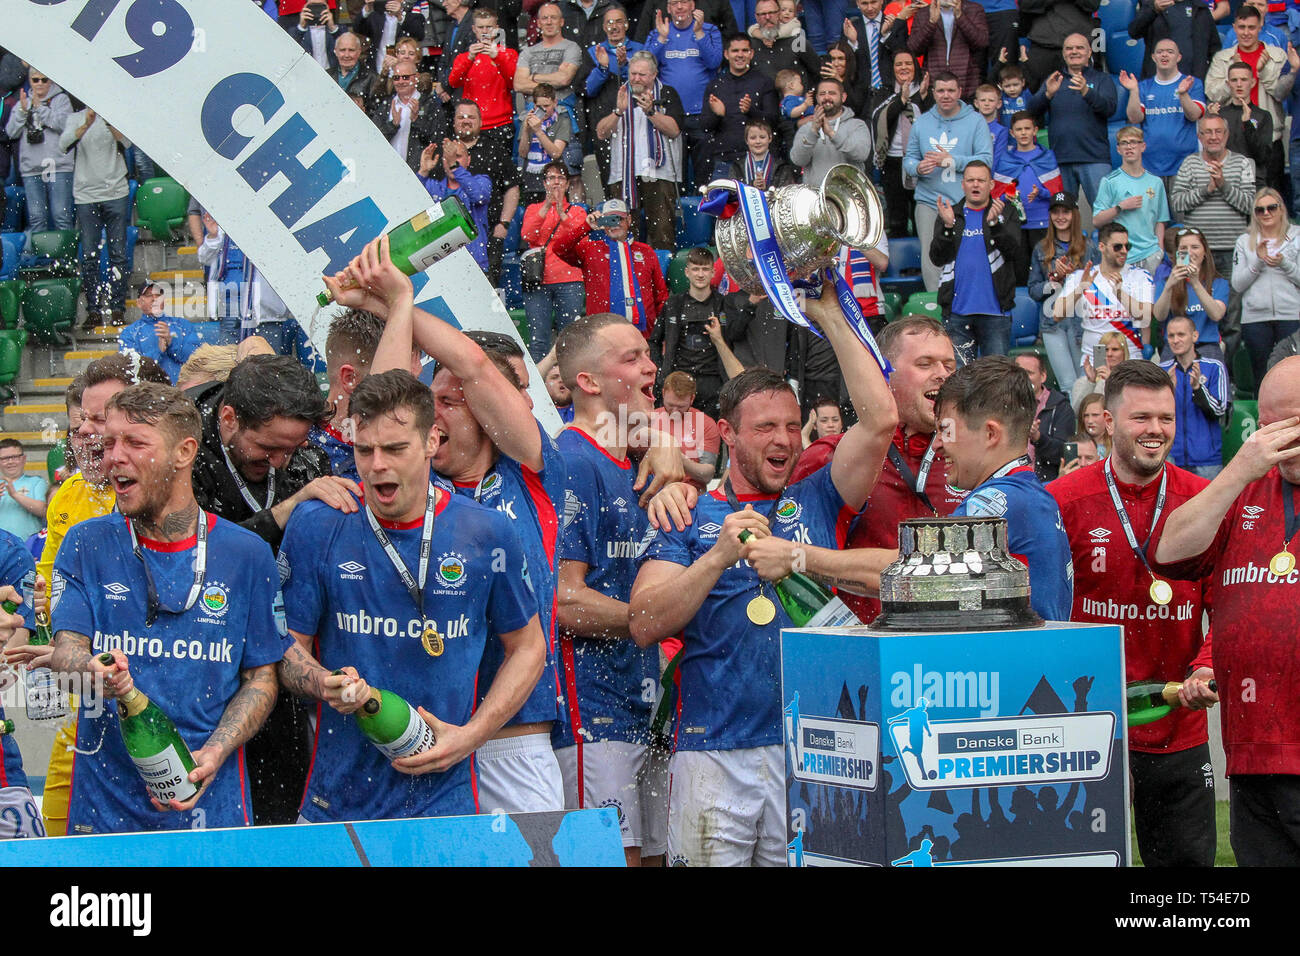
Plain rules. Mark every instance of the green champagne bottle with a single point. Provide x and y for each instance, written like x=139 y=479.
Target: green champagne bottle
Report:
x=6 y=726
x=431 y=235
x=393 y=725
x=1149 y=701
x=808 y=603
x=45 y=701
x=154 y=745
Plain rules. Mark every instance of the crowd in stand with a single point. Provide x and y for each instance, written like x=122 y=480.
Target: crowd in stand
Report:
x=1143 y=214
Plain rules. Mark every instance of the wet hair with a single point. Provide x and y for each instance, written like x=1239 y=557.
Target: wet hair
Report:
x=263 y=387
x=577 y=344
x=752 y=381
x=353 y=339
x=890 y=339
x=385 y=392
x=127 y=369
x=162 y=406
x=992 y=387
x=680 y=383
x=208 y=363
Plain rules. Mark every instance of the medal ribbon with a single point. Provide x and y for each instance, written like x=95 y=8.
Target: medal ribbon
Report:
x=1009 y=467
x=918 y=481
x=1124 y=522
x=243 y=488
x=413 y=588
x=1288 y=508
x=200 y=571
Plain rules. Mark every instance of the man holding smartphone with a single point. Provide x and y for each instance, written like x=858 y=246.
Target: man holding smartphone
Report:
x=317 y=32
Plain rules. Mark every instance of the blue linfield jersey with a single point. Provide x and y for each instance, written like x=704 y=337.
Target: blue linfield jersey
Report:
x=17 y=569
x=188 y=663
x=609 y=685
x=533 y=501
x=343 y=589
x=1035 y=535
x=731 y=667
x=330 y=440
x=1169 y=134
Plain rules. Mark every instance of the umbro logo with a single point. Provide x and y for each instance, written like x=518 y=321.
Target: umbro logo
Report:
x=620 y=502
x=351 y=567
x=710 y=529
x=117 y=591
x=1251 y=511
x=1100 y=534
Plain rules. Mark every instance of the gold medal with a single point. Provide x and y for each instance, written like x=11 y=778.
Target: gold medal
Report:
x=1162 y=592
x=761 y=610
x=1282 y=564
x=432 y=640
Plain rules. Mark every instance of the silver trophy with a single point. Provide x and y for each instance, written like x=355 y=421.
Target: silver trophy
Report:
x=954 y=574
x=810 y=225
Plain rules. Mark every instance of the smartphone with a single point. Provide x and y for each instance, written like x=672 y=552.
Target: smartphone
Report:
x=1098 y=356
x=391 y=49
x=1183 y=258
x=613 y=219
x=1071 y=452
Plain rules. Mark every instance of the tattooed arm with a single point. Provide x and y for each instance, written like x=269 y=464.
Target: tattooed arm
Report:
x=243 y=717
x=302 y=675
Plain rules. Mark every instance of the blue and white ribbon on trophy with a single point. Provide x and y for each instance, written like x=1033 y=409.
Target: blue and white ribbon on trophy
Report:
x=769 y=263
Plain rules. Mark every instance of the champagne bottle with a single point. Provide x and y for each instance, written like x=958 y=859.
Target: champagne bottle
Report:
x=1149 y=701
x=154 y=745
x=45 y=701
x=431 y=235
x=6 y=727
x=393 y=725
x=808 y=603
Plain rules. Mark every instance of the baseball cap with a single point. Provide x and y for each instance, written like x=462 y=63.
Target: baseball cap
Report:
x=1064 y=199
x=611 y=206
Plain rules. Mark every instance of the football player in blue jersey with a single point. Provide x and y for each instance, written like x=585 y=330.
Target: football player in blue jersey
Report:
x=727 y=802
x=492 y=450
x=185 y=602
x=985 y=411
x=349 y=354
x=604 y=745
x=18 y=814
x=404 y=594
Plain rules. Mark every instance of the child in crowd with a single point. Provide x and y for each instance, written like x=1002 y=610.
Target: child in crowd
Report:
x=1031 y=172
x=795 y=104
x=1011 y=80
x=988 y=103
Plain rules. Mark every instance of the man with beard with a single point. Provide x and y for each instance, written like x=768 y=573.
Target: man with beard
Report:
x=254 y=469
x=728 y=779
x=774 y=53
x=1109 y=509
x=489 y=157
x=834 y=136
x=84 y=495
x=1240 y=531
x=185 y=577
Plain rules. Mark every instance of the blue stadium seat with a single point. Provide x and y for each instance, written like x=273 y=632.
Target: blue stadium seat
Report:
x=1024 y=319
x=904 y=273
x=511 y=282
x=1116 y=15
x=1124 y=53
x=665 y=259
x=697 y=228
x=1111 y=129
x=15 y=207
x=9 y=266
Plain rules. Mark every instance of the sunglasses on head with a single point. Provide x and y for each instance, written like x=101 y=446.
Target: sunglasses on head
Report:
x=1271 y=207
